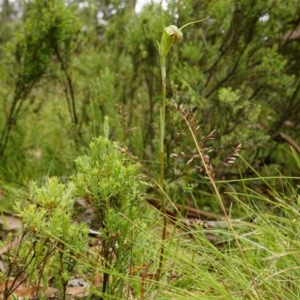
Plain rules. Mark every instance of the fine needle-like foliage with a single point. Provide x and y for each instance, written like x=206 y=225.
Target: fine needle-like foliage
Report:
x=50 y=243
x=49 y=30
x=107 y=180
x=205 y=228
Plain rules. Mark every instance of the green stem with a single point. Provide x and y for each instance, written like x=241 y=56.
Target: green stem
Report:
x=162 y=161
x=193 y=22
x=162 y=117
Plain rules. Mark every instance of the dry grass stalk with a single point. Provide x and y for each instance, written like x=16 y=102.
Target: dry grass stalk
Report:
x=209 y=170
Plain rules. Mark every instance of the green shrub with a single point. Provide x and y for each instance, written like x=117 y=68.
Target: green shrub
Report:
x=50 y=243
x=107 y=180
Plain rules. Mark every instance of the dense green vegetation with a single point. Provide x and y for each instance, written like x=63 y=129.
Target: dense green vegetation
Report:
x=86 y=75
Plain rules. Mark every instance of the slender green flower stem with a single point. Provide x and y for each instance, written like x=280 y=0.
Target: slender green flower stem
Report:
x=162 y=161
x=162 y=117
x=171 y=35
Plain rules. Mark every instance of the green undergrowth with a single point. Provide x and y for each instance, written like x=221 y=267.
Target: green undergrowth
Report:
x=202 y=260
x=207 y=264
x=221 y=101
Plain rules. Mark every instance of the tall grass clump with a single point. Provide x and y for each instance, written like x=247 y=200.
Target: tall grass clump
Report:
x=211 y=259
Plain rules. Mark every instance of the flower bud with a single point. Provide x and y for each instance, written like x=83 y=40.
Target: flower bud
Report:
x=171 y=35
x=174 y=33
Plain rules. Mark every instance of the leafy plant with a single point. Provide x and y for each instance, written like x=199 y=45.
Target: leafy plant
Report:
x=50 y=243
x=49 y=30
x=108 y=181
